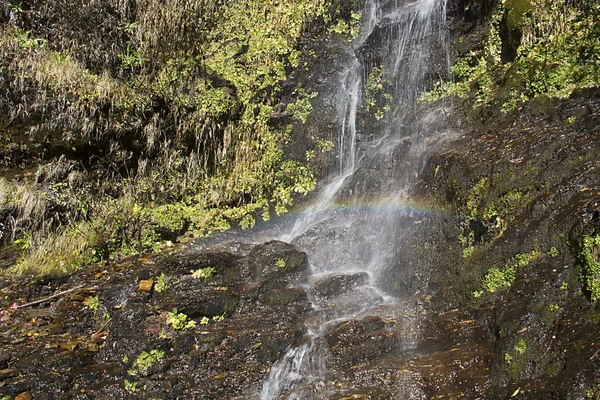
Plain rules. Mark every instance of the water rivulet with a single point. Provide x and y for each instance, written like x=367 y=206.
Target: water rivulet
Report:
x=355 y=230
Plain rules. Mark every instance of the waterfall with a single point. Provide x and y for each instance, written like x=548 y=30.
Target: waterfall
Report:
x=354 y=230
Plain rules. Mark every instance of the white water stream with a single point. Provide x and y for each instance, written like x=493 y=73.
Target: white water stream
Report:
x=353 y=229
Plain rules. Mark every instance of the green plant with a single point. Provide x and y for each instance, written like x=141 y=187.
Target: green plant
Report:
x=16 y=7
x=203 y=273
x=499 y=278
x=204 y=321
x=131 y=58
x=130 y=386
x=179 y=321
x=468 y=251
x=553 y=52
x=553 y=252
x=349 y=28
x=521 y=346
x=280 y=263
x=184 y=110
x=92 y=303
x=161 y=283
x=302 y=107
x=218 y=318
x=144 y=361
x=590 y=266
x=376 y=98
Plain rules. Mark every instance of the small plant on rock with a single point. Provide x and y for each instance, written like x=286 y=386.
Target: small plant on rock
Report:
x=179 y=321
x=204 y=273
x=590 y=266
x=499 y=278
x=130 y=386
x=92 y=303
x=144 y=361
x=161 y=283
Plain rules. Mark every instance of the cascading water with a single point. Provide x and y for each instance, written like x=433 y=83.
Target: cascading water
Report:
x=354 y=230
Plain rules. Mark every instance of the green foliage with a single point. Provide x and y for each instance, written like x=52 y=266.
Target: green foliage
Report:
x=350 y=28
x=377 y=100
x=590 y=266
x=179 y=321
x=144 y=361
x=280 y=263
x=499 y=278
x=218 y=318
x=182 y=108
x=324 y=145
x=93 y=303
x=203 y=273
x=558 y=52
x=302 y=107
x=16 y=7
x=468 y=251
x=553 y=252
x=496 y=278
x=130 y=386
x=161 y=283
x=492 y=204
x=521 y=346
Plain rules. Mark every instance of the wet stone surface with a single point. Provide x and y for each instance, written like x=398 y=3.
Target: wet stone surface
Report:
x=108 y=339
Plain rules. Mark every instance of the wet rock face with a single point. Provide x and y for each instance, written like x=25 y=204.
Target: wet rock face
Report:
x=273 y=260
x=354 y=342
x=518 y=194
x=212 y=334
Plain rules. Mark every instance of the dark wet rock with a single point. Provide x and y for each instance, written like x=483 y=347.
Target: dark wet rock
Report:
x=225 y=263
x=274 y=260
x=333 y=285
x=233 y=329
x=355 y=342
x=196 y=299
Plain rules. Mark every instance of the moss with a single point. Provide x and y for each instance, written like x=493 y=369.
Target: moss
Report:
x=496 y=278
x=499 y=278
x=590 y=266
x=144 y=361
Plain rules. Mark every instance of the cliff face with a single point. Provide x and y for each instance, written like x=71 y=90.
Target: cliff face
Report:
x=512 y=251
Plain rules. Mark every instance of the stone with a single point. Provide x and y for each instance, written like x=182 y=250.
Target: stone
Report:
x=145 y=285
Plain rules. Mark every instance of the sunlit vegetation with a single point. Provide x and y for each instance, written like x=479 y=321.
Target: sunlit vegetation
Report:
x=126 y=125
x=534 y=48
